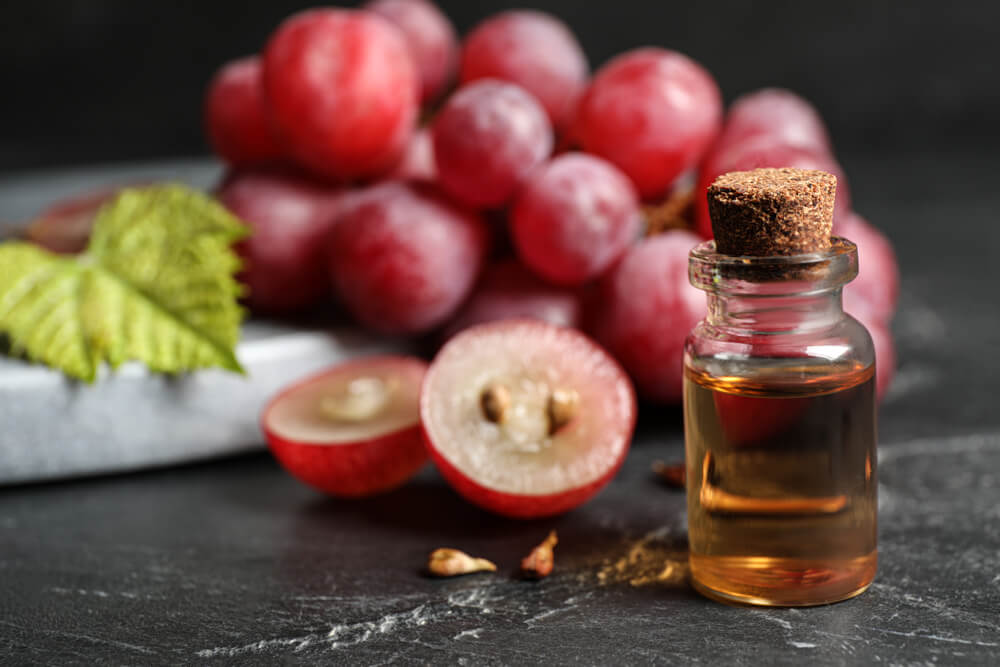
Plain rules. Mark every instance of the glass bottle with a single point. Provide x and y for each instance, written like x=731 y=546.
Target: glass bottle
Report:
x=780 y=431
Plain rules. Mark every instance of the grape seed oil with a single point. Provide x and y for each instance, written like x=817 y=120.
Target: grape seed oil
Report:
x=780 y=392
x=781 y=474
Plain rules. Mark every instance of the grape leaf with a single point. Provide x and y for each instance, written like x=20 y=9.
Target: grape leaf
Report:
x=155 y=284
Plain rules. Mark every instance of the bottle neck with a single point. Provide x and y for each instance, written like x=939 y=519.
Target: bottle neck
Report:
x=776 y=313
x=774 y=294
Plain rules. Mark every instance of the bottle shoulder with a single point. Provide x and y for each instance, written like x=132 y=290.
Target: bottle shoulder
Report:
x=721 y=350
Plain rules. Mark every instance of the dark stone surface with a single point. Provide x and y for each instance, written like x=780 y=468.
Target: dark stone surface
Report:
x=235 y=562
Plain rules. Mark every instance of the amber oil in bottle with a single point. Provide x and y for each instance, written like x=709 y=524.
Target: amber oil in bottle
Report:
x=779 y=401
x=781 y=482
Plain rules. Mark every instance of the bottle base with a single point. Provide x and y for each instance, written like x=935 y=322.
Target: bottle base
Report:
x=781 y=582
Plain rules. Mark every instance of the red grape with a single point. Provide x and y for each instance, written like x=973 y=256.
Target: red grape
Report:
x=885 y=357
x=878 y=274
x=352 y=430
x=885 y=348
x=417 y=163
x=403 y=259
x=536 y=51
x=342 y=91
x=764 y=151
x=431 y=38
x=644 y=309
x=521 y=459
x=290 y=219
x=235 y=117
x=64 y=226
x=752 y=420
x=779 y=114
x=653 y=113
x=575 y=218
x=487 y=137
x=509 y=291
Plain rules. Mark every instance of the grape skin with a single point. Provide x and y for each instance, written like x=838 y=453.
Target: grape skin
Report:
x=507 y=290
x=290 y=220
x=487 y=137
x=575 y=218
x=653 y=113
x=877 y=283
x=885 y=347
x=417 y=164
x=431 y=38
x=534 y=50
x=403 y=259
x=643 y=310
x=779 y=114
x=342 y=91
x=235 y=118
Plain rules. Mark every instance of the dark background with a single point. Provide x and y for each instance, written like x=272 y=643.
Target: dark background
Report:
x=87 y=81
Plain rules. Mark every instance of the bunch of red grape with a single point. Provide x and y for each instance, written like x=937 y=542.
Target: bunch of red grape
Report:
x=522 y=191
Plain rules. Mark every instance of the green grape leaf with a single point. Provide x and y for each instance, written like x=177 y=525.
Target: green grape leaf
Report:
x=156 y=284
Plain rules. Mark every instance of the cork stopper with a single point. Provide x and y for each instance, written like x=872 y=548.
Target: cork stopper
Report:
x=767 y=212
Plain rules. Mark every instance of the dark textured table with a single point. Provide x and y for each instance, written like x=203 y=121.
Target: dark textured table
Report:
x=234 y=561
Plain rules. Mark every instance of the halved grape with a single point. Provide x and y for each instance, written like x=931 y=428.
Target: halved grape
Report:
x=525 y=418
x=352 y=430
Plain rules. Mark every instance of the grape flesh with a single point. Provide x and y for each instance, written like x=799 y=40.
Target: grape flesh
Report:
x=515 y=464
x=779 y=114
x=653 y=113
x=342 y=91
x=235 y=118
x=764 y=151
x=534 y=50
x=574 y=218
x=290 y=220
x=431 y=39
x=403 y=260
x=487 y=137
x=877 y=283
x=507 y=291
x=643 y=310
x=354 y=429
